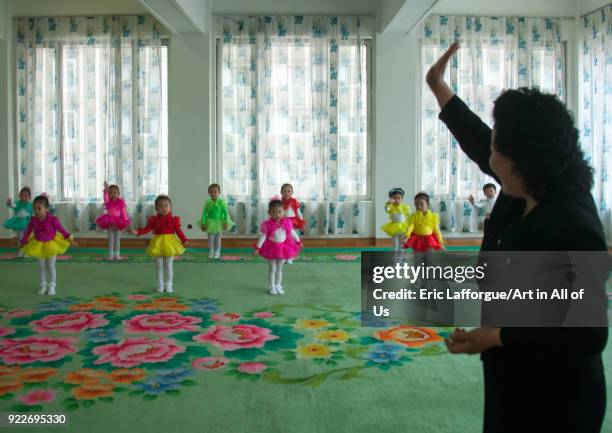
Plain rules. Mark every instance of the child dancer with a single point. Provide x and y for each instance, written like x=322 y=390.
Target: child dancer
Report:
x=291 y=208
x=164 y=245
x=398 y=215
x=114 y=220
x=46 y=243
x=215 y=219
x=278 y=242
x=489 y=191
x=423 y=232
x=23 y=213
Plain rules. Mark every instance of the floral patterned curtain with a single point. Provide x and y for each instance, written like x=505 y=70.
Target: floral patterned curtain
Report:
x=294 y=109
x=496 y=53
x=595 y=104
x=91 y=101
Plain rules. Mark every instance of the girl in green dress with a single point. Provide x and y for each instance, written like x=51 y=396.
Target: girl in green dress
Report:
x=215 y=220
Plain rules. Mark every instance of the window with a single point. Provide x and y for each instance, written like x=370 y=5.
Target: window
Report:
x=294 y=116
x=92 y=106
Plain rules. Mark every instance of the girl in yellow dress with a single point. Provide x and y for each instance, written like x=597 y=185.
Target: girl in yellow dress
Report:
x=165 y=244
x=43 y=239
x=398 y=217
x=423 y=232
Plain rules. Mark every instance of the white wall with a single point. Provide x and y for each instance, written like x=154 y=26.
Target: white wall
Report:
x=529 y=8
x=395 y=145
x=587 y=6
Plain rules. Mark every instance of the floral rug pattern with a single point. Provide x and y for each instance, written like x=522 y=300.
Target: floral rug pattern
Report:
x=80 y=352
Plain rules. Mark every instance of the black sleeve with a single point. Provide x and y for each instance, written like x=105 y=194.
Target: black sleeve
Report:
x=551 y=342
x=578 y=230
x=473 y=135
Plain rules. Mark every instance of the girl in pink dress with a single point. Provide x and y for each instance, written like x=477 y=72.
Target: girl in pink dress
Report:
x=278 y=243
x=114 y=220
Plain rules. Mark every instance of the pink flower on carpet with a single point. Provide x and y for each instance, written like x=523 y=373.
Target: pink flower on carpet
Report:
x=6 y=331
x=252 y=367
x=209 y=363
x=346 y=257
x=135 y=351
x=37 y=396
x=35 y=348
x=19 y=313
x=137 y=297
x=64 y=258
x=264 y=314
x=225 y=317
x=231 y=258
x=71 y=322
x=236 y=337
x=166 y=323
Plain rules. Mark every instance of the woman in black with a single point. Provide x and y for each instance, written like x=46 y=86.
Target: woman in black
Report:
x=536 y=379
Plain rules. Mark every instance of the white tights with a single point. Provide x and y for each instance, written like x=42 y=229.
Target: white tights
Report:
x=397 y=242
x=46 y=269
x=276 y=272
x=164 y=266
x=114 y=236
x=214 y=242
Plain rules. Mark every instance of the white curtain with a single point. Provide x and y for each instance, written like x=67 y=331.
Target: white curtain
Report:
x=91 y=101
x=496 y=53
x=595 y=104
x=294 y=109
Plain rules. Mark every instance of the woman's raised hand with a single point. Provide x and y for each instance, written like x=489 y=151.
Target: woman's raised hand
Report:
x=435 y=76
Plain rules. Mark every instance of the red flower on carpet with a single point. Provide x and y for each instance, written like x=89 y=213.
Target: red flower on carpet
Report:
x=6 y=331
x=37 y=396
x=252 y=367
x=209 y=363
x=71 y=322
x=19 y=313
x=225 y=317
x=35 y=348
x=166 y=323
x=264 y=314
x=236 y=337
x=135 y=351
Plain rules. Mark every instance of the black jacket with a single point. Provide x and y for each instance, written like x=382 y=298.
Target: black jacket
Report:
x=566 y=222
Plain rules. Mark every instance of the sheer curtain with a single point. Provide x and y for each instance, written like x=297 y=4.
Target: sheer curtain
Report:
x=294 y=109
x=496 y=53
x=91 y=107
x=595 y=104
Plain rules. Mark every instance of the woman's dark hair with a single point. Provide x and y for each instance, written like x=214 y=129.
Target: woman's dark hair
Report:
x=26 y=189
x=536 y=131
x=162 y=197
x=273 y=203
x=489 y=185
x=42 y=199
x=214 y=185
x=422 y=196
x=114 y=186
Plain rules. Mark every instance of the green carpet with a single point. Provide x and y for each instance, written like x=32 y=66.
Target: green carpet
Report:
x=293 y=363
